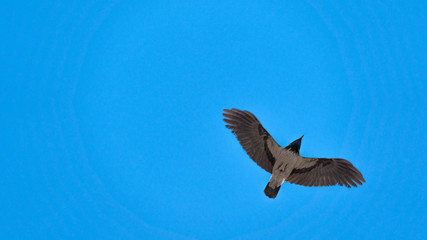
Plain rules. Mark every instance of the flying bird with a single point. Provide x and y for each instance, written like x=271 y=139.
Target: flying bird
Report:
x=286 y=164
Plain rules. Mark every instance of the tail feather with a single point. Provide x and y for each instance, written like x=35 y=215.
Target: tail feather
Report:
x=271 y=192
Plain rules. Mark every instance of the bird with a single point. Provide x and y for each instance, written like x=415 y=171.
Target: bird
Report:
x=286 y=164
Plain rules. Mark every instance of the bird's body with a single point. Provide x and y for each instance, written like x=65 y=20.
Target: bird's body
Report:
x=286 y=164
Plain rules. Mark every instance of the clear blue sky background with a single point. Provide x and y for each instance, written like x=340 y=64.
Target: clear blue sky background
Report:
x=111 y=123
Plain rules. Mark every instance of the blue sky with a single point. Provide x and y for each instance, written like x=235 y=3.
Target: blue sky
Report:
x=112 y=127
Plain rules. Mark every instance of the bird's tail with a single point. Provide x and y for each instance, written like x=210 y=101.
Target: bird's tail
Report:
x=271 y=192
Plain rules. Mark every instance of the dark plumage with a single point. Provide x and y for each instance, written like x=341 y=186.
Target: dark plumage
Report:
x=286 y=164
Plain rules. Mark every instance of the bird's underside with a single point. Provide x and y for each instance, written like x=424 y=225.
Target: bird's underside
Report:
x=286 y=164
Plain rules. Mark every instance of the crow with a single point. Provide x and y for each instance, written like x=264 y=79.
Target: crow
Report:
x=286 y=164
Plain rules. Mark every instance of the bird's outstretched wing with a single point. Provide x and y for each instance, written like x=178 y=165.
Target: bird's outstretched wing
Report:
x=325 y=172
x=252 y=136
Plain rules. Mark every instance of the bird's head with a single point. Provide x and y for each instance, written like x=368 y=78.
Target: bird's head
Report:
x=295 y=145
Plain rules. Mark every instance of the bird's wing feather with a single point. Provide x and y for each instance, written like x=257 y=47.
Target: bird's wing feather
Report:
x=255 y=140
x=325 y=172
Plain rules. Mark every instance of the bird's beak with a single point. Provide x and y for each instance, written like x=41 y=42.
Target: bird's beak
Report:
x=301 y=137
